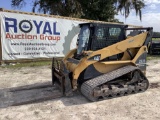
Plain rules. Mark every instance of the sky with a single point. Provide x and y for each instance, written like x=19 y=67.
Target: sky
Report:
x=150 y=14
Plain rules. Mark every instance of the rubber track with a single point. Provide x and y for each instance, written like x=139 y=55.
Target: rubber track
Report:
x=88 y=86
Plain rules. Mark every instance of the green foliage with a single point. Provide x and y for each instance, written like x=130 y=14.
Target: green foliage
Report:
x=103 y=10
x=54 y=7
x=156 y=35
x=18 y=3
x=125 y=6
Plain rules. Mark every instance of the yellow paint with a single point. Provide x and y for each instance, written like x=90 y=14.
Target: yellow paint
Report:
x=134 y=44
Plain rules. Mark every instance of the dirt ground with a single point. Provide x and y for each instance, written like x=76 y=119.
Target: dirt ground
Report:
x=142 y=106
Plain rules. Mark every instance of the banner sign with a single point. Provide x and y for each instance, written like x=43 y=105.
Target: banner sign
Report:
x=28 y=36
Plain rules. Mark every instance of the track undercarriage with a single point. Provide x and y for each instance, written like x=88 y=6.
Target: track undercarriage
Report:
x=123 y=81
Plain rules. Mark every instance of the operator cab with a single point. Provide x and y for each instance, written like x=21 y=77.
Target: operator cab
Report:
x=95 y=36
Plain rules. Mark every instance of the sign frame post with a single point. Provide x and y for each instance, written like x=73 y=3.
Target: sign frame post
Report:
x=1 y=9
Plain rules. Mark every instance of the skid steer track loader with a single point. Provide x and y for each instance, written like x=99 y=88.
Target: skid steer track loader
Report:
x=107 y=63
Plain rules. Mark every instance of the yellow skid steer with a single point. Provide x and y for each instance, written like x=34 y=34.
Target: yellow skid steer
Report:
x=107 y=63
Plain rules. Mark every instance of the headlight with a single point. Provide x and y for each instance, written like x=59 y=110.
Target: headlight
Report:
x=96 y=57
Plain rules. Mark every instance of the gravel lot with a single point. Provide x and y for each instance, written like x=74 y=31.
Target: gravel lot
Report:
x=142 y=106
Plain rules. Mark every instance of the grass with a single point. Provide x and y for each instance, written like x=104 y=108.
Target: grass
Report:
x=48 y=63
x=155 y=39
x=28 y=64
x=153 y=57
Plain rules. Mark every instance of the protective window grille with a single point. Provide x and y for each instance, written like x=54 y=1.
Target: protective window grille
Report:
x=106 y=36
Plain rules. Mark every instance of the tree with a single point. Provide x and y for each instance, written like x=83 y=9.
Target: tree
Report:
x=98 y=9
x=69 y=8
x=103 y=10
x=156 y=35
x=124 y=6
